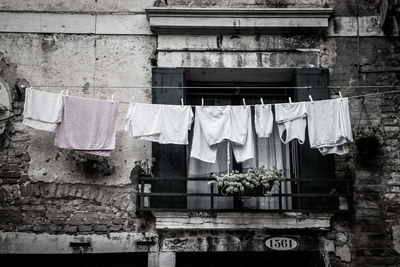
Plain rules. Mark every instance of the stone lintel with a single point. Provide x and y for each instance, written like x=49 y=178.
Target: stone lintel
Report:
x=235 y=20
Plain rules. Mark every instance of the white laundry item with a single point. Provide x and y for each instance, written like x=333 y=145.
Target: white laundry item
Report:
x=164 y=124
x=329 y=127
x=214 y=125
x=247 y=150
x=224 y=123
x=263 y=120
x=143 y=120
x=200 y=148
x=42 y=110
x=292 y=121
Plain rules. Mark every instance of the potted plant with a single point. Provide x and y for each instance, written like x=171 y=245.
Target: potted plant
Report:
x=367 y=142
x=255 y=182
x=145 y=167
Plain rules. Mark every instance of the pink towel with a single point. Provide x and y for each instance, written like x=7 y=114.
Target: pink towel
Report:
x=88 y=125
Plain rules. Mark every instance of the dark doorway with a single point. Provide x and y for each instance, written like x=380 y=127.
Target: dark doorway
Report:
x=77 y=260
x=253 y=259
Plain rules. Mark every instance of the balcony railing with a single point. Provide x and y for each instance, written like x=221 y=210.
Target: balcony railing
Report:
x=295 y=195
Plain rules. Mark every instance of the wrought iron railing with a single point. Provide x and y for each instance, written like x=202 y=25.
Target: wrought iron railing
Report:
x=304 y=195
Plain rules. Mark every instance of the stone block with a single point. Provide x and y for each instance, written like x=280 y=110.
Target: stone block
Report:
x=70 y=229
x=85 y=228
x=100 y=228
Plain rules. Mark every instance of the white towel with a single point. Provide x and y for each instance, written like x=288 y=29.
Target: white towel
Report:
x=329 y=127
x=263 y=120
x=42 y=110
x=164 y=124
x=292 y=121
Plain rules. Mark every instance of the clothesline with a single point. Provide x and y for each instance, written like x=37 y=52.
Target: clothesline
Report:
x=225 y=87
x=349 y=97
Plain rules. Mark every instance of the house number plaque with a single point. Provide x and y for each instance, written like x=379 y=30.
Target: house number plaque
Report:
x=281 y=243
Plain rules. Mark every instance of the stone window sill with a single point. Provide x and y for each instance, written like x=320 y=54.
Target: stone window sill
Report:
x=237 y=221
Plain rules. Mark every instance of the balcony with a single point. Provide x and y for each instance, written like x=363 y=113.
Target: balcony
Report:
x=331 y=196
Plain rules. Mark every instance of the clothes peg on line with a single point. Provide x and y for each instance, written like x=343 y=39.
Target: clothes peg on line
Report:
x=62 y=92
x=262 y=101
x=67 y=92
x=181 y=101
x=244 y=102
x=112 y=98
x=290 y=100
x=310 y=97
x=133 y=99
x=340 y=94
x=202 y=102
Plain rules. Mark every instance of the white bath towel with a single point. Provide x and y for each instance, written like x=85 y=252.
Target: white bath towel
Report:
x=42 y=110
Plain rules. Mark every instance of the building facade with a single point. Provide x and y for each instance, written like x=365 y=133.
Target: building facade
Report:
x=55 y=204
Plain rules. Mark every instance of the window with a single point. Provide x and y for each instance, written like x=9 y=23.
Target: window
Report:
x=299 y=161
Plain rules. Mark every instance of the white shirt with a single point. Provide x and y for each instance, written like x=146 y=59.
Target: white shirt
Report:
x=215 y=124
x=164 y=124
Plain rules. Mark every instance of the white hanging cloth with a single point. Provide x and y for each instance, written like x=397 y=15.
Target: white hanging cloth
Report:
x=329 y=127
x=215 y=124
x=263 y=120
x=42 y=110
x=164 y=124
x=292 y=121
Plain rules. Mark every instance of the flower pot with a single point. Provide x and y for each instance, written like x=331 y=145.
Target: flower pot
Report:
x=253 y=192
x=367 y=146
x=258 y=191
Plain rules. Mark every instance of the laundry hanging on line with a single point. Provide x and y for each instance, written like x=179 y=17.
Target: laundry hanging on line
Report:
x=88 y=125
x=169 y=124
x=42 y=110
x=329 y=127
x=215 y=124
x=164 y=124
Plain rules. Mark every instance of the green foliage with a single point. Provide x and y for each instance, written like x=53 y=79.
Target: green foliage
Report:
x=146 y=165
x=236 y=183
x=366 y=132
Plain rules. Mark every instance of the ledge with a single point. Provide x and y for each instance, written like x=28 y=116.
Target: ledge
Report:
x=237 y=221
x=235 y=20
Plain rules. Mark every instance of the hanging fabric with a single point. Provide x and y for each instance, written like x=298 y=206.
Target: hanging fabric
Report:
x=164 y=124
x=292 y=121
x=42 y=110
x=216 y=124
x=88 y=125
x=329 y=127
x=263 y=120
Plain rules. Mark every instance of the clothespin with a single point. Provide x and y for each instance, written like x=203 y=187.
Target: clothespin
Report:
x=133 y=99
x=340 y=94
x=262 y=101
x=182 y=101
x=244 y=102
x=290 y=100
x=310 y=97
x=62 y=92
x=112 y=98
x=67 y=92
x=202 y=102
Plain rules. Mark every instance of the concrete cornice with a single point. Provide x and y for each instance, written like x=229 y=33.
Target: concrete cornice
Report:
x=235 y=20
